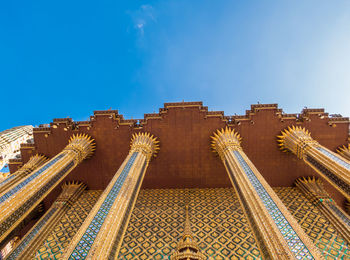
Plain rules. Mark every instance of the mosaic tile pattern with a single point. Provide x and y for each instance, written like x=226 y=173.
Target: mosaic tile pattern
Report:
x=69 y=224
x=334 y=158
x=340 y=214
x=218 y=224
x=29 y=179
x=335 y=179
x=31 y=201
x=31 y=235
x=316 y=226
x=128 y=212
x=7 y=179
x=83 y=247
x=294 y=242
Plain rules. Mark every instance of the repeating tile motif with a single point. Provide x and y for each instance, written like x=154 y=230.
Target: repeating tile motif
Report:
x=32 y=200
x=218 y=224
x=7 y=179
x=294 y=242
x=316 y=226
x=340 y=214
x=19 y=249
x=83 y=247
x=29 y=179
x=58 y=240
x=334 y=158
x=334 y=178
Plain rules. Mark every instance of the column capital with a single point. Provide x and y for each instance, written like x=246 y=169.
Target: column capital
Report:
x=70 y=191
x=82 y=145
x=344 y=151
x=296 y=140
x=33 y=162
x=145 y=143
x=313 y=189
x=224 y=139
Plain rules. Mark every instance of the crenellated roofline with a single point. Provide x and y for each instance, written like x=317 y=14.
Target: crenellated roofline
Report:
x=230 y=120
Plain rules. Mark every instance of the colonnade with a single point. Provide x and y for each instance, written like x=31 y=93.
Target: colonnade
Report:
x=331 y=166
x=277 y=233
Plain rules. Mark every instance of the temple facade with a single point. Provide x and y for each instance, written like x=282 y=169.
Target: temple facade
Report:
x=10 y=141
x=182 y=184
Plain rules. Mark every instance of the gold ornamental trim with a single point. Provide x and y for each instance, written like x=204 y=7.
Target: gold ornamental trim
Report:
x=344 y=151
x=146 y=143
x=296 y=140
x=82 y=145
x=224 y=139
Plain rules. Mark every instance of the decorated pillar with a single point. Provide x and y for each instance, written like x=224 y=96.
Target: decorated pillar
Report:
x=102 y=232
x=277 y=233
x=331 y=166
x=20 y=199
x=344 y=151
x=313 y=189
x=32 y=241
x=187 y=247
x=33 y=163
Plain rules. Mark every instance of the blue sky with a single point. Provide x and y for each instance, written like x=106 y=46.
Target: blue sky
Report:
x=68 y=58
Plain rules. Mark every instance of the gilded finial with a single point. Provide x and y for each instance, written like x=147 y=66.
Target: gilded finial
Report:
x=187 y=247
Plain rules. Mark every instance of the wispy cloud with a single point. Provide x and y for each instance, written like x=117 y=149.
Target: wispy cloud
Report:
x=142 y=17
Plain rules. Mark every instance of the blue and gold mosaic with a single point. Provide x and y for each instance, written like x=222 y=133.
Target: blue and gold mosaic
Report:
x=218 y=224
x=24 y=242
x=294 y=242
x=330 y=175
x=315 y=225
x=7 y=179
x=340 y=214
x=29 y=179
x=337 y=159
x=83 y=247
x=59 y=238
x=5 y=225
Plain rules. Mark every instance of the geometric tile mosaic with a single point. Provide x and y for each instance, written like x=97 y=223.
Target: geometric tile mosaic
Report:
x=315 y=225
x=295 y=244
x=57 y=241
x=218 y=224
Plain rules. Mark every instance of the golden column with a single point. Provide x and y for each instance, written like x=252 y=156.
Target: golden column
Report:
x=33 y=163
x=313 y=190
x=344 y=151
x=20 y=199
x=102 y=232
x=187 y=247
x=277 y=233
x=331 y=166
x=32 y=241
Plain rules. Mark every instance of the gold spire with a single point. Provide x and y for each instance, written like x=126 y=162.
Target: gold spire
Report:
x=187 y=248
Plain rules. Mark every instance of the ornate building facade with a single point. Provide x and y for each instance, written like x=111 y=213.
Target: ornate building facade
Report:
x=184 y=183
x=10 y=141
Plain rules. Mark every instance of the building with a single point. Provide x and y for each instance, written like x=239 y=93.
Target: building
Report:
x=10 y=141
x=184 y=183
